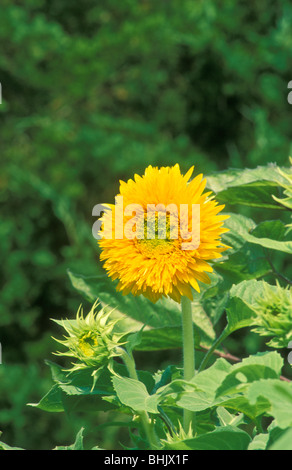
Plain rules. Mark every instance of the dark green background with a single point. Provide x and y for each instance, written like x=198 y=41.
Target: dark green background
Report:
x=94 y=91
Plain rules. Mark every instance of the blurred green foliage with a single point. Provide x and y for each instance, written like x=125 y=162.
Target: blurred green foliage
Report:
x=92 y=93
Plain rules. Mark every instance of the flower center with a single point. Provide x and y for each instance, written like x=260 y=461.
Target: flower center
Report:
x=157 y=236
x=87 y=343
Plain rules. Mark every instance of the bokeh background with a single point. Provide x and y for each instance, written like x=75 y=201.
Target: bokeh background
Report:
x=93 y=92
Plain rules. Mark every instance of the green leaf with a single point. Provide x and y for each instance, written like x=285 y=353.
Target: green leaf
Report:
x=238 y=226
x=260 y=366
x=284 y=246
x=249 y=187
x=74 y=392
x=215 y=305
x=242 y=307
x=222 y=438
x=228 y=419
x=133 y=340
x=259 y=442
x=201 y=396
x=245 y=260
x=286 y=202
x=269 y=234
x=239 y=311
x=272 y=229
x=4 y=446
x=161 y=321
x=240 y=404
x=57 y=372
x=78 y=444
x=248 y=291
x=279 y=395
x=249 y=262
x=239 y=315
x=134 y=394
x=284 y=442
x=228 y=385
x=209 y=380
x=163 y=378
x=52 y=402
x=162 y=338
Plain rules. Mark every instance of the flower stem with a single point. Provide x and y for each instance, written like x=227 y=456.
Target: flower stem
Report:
x=145 y=420
x=188 y=351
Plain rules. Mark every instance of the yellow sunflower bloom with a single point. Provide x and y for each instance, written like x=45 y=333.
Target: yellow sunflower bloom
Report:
x=165 y=248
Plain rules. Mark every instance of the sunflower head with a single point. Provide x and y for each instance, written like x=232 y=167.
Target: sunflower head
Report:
x=274 y=315
x=165 y=249
x=90 y=340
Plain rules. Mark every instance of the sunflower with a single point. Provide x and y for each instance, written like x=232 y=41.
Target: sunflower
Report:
x=91 y=340
x=273 y=318
x=159 y=259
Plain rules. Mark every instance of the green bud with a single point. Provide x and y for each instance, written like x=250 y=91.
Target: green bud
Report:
x=178 y=435
x=90 y=340
x=274 y=315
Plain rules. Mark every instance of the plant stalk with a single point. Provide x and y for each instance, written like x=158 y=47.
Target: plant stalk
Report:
x=188 y=351
x=215 y=345
x=145 y=420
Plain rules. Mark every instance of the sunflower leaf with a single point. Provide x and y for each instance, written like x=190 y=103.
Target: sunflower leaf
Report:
x=134 y=394
x=222 y=438
x=249 y=187
x=161 y=322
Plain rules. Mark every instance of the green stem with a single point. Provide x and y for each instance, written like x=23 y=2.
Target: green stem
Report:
x=215 y=345
x=274 y=270
x=188 y=351
x=145 y=420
